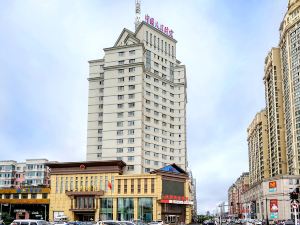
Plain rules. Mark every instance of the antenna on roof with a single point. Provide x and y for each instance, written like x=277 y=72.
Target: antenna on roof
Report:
x=137 y=13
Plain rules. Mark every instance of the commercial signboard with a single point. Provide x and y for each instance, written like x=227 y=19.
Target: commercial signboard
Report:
x=154 y=23
x=273 y=205
x=272 y=186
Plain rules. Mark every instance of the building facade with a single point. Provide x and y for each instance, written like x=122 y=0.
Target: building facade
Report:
x=258 y=148
x=100 y=191
x=274 y=114
x=289 y=48
x=235 y=193
x=137 y=101
x=32 y=172
x=24 y=203
x=275 y=193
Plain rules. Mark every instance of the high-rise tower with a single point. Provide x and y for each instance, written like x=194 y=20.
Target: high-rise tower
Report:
x=290 y=62
x=137 y=101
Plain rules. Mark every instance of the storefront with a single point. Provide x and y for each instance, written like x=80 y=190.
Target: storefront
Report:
x=25 y=203
x=95 y=191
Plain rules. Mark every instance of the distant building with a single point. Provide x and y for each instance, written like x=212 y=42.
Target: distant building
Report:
x=235 y=193
x=32 y=172
x=258 y=148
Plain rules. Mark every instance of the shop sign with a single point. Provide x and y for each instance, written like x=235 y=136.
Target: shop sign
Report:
x=274 y=215
x=35 y=213
x=29 y=190
x=154 y=23
x=272 y=186
x=273 y=205
x=175 y=197
x=19 y=210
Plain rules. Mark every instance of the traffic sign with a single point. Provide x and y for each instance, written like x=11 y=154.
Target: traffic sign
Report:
x=294 y=205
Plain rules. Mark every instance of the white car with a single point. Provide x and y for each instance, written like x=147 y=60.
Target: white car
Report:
x=29 y=222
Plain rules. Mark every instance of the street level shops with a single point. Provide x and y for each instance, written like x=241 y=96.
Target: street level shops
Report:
x=25 y=203
x=100 y=191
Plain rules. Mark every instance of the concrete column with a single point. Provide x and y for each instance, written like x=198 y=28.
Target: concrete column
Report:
x=135 y=206
x=154 y=205
x=115 y=208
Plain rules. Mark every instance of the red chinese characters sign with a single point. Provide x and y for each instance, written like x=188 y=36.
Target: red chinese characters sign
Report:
x=174 y=199
x=273 y=205
x=161 y=27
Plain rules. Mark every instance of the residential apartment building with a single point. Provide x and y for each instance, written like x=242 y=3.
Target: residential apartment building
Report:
x=137 y=101
x=274 y=114
x=290 y=61
x=235 y=193
x=32 y=172
x=258 y=148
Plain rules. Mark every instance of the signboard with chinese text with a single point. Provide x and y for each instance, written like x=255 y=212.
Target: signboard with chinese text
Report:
x=154 y=23
x=273 y=205
x=272 y=186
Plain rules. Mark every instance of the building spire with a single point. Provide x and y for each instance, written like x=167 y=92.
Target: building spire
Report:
x=137 y=13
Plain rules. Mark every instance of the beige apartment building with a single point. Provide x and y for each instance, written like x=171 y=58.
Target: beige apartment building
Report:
x=137 y=101
x=258 y=148
x=274 y=114
x=290 y=59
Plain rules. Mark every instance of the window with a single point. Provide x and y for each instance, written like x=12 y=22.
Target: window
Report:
x=148 y=93
x=121 y=62
x=148 y=85
x=132 y=52
x=131 y=123
x=121 y=53
x=131 y=149
x=131 y=104
x=131 y=69
x=131 y=114
x=119 y=158
x=147 y=101
x=119 y=124
x=164 y=68
x=120 y=88
x=130 y=168
x=131 y=87
x=119 y=132
x=155 y=64
x=120 y=106
x=121 y=79
x=147 y=153
x=119 y=141
x=119 y=150
x=147 y=161
x=121 y=71
x=99 y=146
x=156 y=72
x=131 y=78
x=156 y=163
x=156 y=88
x=130 y=140
x=131 y=132
x=156 y=154
x=130 y=158
x=131 y=96
x=148 y=110
x=120 y=97
x=120 y=114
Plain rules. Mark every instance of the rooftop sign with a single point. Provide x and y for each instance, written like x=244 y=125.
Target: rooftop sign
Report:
x=157 y=25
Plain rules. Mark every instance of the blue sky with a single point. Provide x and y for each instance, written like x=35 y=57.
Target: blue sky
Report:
x=45 y=46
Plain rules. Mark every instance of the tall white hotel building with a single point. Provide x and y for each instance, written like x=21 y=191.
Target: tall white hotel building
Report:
x=137 y=101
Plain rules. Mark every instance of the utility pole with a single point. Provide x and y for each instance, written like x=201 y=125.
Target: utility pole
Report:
x=267 y=216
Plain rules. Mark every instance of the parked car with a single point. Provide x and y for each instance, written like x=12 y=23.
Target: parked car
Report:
x=108 y=222
x=29 y=222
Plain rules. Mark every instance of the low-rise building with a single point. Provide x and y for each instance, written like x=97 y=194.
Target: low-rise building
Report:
x=32 y=172
x=25 y=203
x=270 y=198
x=100 y=191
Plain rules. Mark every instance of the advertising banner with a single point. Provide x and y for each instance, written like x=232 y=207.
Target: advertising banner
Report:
x=272 y=186
x=273 y=205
